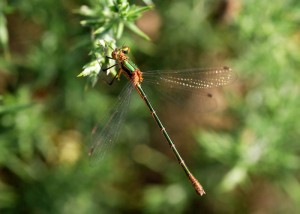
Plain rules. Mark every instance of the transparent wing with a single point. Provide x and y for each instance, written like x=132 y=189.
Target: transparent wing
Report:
x=191 y=79
x=103 y=139
x=179 y=85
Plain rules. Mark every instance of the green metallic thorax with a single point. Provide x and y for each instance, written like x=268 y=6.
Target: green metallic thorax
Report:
x=129 y=66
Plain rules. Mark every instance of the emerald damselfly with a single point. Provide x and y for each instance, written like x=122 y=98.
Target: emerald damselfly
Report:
x=187 y=80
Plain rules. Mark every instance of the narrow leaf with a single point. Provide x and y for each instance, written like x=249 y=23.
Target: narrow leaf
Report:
x=136 y=30
x=120 y=30
x=137 y=11
x=3 y=31
x=104 y=28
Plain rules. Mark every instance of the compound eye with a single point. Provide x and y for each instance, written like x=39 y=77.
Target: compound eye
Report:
x=114 y=55
x=125 y=49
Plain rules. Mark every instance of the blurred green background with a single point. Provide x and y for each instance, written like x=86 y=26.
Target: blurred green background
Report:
x=245 y=153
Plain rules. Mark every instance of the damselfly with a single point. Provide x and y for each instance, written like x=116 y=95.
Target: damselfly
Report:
x=192 y=79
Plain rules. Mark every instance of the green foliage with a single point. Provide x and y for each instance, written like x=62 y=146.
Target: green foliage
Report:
x=246 y=154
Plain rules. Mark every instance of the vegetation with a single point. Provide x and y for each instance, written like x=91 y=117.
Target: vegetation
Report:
x=245 y=153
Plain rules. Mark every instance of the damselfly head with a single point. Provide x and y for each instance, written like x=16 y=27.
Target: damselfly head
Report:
x=119 y=54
